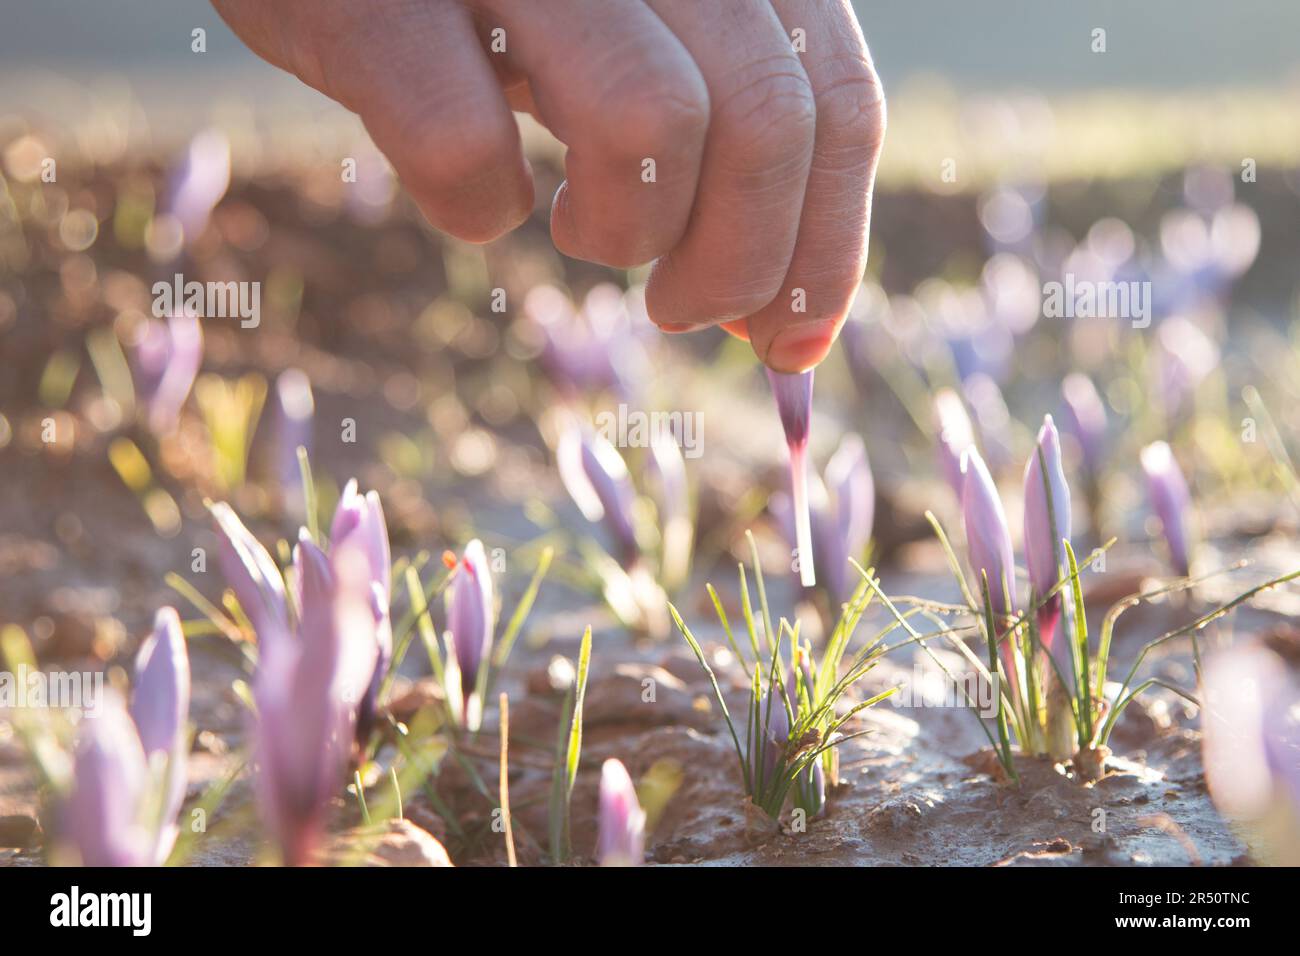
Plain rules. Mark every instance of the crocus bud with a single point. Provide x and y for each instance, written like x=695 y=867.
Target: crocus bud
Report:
x=471 y=619
x=620 y=820
x=794 y=405
x=1251 y=742
x=104 y=818
x=165 y=361
x=955 y=436
x=989 y=544
x=254 y=577
x=676 y=531
x=294 y=410
x=767 y=752
x=596 y=477
x=1047 y=525
x=160 y=706
x=987 y=536
x=853 y=490
x=307 y=692
x=1084 y=417
x=199 y=182
x=1167 y=490
x=359 y=519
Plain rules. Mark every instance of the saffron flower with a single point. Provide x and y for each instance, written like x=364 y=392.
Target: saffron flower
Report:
x=165 y=361
x=955 y=436
x=129 y=770
x=794 y=404
x=1046 y=527
x=1252 y=745
x=294 y=410
x=988 y=542
x=620 y=820
x=596 y=477
x=199 y=182
x=307 y=689
x=254 y=577
x=359 y=519
x=1084 y=417
x=471 y=621
x=1170 y=499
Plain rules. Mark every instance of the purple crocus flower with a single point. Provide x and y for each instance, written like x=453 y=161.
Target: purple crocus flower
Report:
x=160 y=706
x=676 y=530
x=585 y=350
x=199 y=182
x=1084 y=417
x=1252 y=739
x=165 y=361
x=955 y=436
x=129 y=770
x=989 y=544
x=620 y=820
x=103 y=818
x=773 y=725
x=307 y=692
x=254 y=577
x=471 y=621
x=294 y=410
x=596 y=477
x=360 y=519
x=794 y=405
x=1170 y=499
x=1047 y=525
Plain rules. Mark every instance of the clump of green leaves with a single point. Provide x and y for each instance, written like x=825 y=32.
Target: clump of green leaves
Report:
x=793 y=723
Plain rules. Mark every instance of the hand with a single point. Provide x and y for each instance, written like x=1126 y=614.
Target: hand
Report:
x=758 y=202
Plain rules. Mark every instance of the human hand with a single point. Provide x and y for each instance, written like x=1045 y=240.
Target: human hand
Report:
x=756 y=205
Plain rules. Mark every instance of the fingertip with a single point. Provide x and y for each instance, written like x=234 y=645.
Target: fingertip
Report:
x=797 y=348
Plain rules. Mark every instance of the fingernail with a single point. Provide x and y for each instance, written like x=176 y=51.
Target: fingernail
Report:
x=674 y=328
x=800 y=347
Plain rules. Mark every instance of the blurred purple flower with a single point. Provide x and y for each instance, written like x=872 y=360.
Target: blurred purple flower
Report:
x=294 y=410
x=129 y=771
x=587 y=350
x=307 y=692
x=1046 y=527
x=165 y=362
x=1185 y=356
x=104 y=815
x=359 y=519
x=199 y=182
x=676 y=529
x=596 y=478
x=252 y=575
x=1252 y=740
x=1084 y=417
x=160 y=706
x=955 y=436
x=1170 y=500
x=620 y=820
x=471 y=621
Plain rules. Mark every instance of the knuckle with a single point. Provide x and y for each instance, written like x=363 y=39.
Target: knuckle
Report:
x=771 y=116
x=647 y=115
x=852 y=110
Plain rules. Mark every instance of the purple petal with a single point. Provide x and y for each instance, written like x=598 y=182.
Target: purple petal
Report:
x=620 y=820
x=1167 y=490
x=596 y=477
x=1044 y=546
x=987 y=537
x=1084 y=417
x=470 y=615
x=103 y=814
x=793 y=403
x=955 y=436
x=254 y=577
x=160 y=706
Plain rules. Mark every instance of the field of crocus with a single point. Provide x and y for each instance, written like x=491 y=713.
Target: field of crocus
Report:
x=438 y=554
